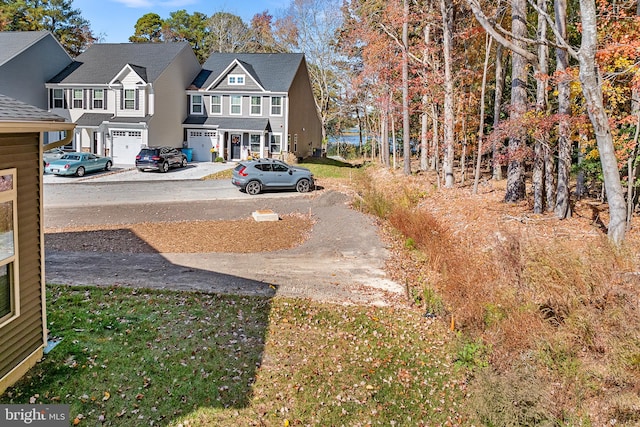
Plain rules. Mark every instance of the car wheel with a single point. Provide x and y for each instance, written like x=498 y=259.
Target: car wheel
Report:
x=184 y=163
x=165 y=167
x=108 y=166
x=140 y=169
x=303 y=186
x=80 y=171
x=253 y=188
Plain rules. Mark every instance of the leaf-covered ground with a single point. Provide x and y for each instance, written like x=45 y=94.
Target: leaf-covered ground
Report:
x=134 y=357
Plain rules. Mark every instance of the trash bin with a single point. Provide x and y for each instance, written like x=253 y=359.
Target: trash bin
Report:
x=189 y=153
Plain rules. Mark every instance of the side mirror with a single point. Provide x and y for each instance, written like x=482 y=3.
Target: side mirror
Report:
x=290 y=171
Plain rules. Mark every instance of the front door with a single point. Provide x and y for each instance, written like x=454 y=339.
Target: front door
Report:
x=236 y=142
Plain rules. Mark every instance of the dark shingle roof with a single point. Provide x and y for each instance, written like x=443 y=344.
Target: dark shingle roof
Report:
x=12 y=110
x=274 y=71
x=228 y=123
x=100 y=63
x=14 y=42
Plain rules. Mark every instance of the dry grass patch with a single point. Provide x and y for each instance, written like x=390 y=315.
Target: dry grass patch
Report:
x=186 y=236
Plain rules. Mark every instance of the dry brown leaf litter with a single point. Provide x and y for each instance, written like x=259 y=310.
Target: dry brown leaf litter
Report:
x=238 y=236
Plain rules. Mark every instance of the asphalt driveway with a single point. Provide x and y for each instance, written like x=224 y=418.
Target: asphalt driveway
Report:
x=342 y=261
x=128 y=173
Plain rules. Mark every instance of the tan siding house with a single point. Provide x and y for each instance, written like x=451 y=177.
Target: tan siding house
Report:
x=23 y=334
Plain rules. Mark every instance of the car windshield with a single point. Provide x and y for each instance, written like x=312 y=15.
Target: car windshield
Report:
x=70 y=157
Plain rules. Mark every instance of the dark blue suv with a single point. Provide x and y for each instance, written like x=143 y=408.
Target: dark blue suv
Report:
x=160 y=159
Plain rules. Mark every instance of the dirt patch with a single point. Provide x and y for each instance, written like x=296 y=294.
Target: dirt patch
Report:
x=239 y=236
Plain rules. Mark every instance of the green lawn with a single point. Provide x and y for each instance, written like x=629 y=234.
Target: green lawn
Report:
x=140 y=357
x=321 y=168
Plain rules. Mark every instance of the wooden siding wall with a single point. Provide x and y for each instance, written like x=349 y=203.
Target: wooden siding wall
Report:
x=23 y=335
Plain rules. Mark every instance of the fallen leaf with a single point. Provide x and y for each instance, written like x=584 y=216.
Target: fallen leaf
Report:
x=107 y=396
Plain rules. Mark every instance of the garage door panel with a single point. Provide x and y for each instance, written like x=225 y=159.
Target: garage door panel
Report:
x=201 y=142
x=126 y=145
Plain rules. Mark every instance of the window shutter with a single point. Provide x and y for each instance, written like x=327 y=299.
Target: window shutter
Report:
x=122 y=99
x=69 y=98
x=90 y=97
x=105 y=95
x=85 y=97
x=50 y=99
x=137 y=99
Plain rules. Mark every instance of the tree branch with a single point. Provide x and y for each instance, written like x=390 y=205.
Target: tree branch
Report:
x=490 y=28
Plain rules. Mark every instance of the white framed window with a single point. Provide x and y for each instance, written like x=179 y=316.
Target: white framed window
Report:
x=196 y=104
x=275 y=143
x=98 y=99
x=235 y=79
x=58 y=98
x=77 y=98
x=256 y=106
x=236 y=105
x=254 y=140
x=9 y=290
x=216 y=104
x=276 y=105
x=129 y=99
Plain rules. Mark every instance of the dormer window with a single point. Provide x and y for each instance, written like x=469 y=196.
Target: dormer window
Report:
x=129 y=99
x=236 y=79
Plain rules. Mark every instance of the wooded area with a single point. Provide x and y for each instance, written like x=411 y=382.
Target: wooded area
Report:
x=543 y=90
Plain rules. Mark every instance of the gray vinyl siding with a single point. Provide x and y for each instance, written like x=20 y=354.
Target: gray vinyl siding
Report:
x=249 y=83
x=23 y=335
x=24 y=76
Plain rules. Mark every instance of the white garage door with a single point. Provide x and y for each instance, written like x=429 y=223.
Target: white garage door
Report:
x=201 y=142
x=126 y=145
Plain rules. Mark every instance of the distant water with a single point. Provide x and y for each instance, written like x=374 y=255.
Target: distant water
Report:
x=348 y=139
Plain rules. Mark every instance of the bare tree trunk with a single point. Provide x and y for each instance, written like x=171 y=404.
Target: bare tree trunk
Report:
x=591 y=89
x=563 y=208
x=497 y=109
x=384 y=137
x=515 y=175
x=406 y=143
x=424 y=127
x=446 y=9
x=435 y=148
x=487 y=53
x=541 y=109
x=394 y=141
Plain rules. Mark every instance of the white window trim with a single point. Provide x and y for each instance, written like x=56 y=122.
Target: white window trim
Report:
x=231 y=105
x=74 y=99
x=270 y=144
x=54 y=98
x=193 y=104
x=236 y=79
x=133 y=100
x=103 y=92
x=259 y=143
x=12 y=261
x=251 y=105
x=281 y=98
x=216 y=113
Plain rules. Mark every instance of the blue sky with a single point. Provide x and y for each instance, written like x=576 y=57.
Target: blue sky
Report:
x=114 y=20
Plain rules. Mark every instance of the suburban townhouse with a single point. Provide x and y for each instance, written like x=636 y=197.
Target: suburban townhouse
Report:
x=125 y=96
x=28 y=59
x=252 y=104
